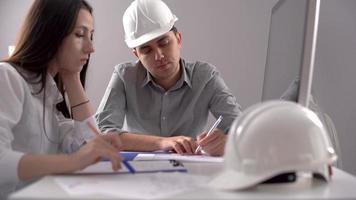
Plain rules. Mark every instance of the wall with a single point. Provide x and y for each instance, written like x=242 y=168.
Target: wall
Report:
x=334 y=76
x=11 y=16
x=219 y=39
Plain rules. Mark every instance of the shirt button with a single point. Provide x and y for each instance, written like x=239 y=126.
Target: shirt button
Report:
x=166 y=93
x=164 y=118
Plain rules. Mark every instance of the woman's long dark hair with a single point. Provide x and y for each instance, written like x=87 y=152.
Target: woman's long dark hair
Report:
x=47 y=24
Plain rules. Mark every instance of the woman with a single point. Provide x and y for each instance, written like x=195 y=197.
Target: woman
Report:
x=55 y=41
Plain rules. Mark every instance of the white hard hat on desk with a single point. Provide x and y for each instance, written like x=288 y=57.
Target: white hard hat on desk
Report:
x=274 y=138
x=145 y=20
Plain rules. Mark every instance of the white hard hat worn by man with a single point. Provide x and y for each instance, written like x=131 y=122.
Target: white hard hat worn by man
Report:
x=164 y=99
x=145 y=20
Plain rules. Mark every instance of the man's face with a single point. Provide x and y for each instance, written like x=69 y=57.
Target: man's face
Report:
x=161 y=56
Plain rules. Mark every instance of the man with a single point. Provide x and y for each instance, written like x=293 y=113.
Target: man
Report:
x=166 y=100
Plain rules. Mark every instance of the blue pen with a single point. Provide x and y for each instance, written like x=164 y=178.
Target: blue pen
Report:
x=128 y=166
x=125 y=162
x=97 y=133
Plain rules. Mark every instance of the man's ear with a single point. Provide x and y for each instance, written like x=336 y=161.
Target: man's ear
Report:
x=134 y=52
x=179 y=38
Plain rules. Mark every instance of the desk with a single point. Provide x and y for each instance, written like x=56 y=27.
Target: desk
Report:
x=343 y=186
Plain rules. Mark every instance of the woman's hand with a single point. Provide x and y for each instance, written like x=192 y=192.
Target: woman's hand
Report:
x=65 y=69
x=69 y=77
x=104 y=146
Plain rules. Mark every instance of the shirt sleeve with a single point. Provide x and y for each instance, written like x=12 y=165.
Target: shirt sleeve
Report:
x=223 y=102
x=75 y=133
x=111 y=112
x=12 y=97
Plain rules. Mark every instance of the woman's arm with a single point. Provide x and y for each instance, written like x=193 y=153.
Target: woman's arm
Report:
x=33 y=166
x=80 y=105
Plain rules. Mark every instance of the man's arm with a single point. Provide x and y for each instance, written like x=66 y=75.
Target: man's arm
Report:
x=139 y=142
x=222 y=103
x=111 y=112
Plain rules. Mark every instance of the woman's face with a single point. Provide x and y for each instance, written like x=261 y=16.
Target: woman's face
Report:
x=77 y=46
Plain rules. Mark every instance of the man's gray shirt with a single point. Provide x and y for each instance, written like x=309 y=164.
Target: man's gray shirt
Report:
x=181 y=110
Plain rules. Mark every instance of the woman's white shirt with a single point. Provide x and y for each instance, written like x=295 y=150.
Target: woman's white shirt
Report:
x=24 y=129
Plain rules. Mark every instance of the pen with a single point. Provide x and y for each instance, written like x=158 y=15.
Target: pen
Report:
x=128 y=166
x=210 y=131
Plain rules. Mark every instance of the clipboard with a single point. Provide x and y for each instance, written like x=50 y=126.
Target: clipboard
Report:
x=163 y=155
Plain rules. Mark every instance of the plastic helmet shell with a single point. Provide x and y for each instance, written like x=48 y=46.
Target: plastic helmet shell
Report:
x=145 y=20
x=273 y=138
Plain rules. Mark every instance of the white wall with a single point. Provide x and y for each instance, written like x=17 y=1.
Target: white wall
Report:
x=335 y=70
x=213 y=31
x=11 y=15
x=231 y=34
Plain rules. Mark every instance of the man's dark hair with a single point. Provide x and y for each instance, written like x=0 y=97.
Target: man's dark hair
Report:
x=174 y=29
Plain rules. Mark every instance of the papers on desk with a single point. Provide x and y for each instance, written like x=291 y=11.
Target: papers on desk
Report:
x=143 y=156
x=105 y=167
x=138 y=186
x=134 y=181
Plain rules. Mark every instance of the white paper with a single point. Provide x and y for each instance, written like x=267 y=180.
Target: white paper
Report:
x=104 y=167
x=146 y=186
x=156 y=165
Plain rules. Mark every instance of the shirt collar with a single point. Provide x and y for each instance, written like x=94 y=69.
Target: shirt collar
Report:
x=51 y=88
x=184 y=78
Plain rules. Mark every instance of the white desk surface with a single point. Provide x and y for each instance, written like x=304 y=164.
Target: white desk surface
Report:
x=343 y=186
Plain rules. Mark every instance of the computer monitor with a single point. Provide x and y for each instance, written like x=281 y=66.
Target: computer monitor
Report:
x=291 y=50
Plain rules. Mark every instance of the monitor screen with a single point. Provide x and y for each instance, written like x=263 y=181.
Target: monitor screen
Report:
x=290 y=53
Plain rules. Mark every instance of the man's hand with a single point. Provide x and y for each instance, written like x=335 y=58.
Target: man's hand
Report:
x=214 y=144
x=180 y=144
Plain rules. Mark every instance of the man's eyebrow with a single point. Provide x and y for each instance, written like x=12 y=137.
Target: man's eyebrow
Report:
x=163 y=38
x=143 y=47
x=158 y=41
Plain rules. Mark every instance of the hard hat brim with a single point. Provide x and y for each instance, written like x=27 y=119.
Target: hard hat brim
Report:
x=150 y=36
x=233 y=180
x=230 y=179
